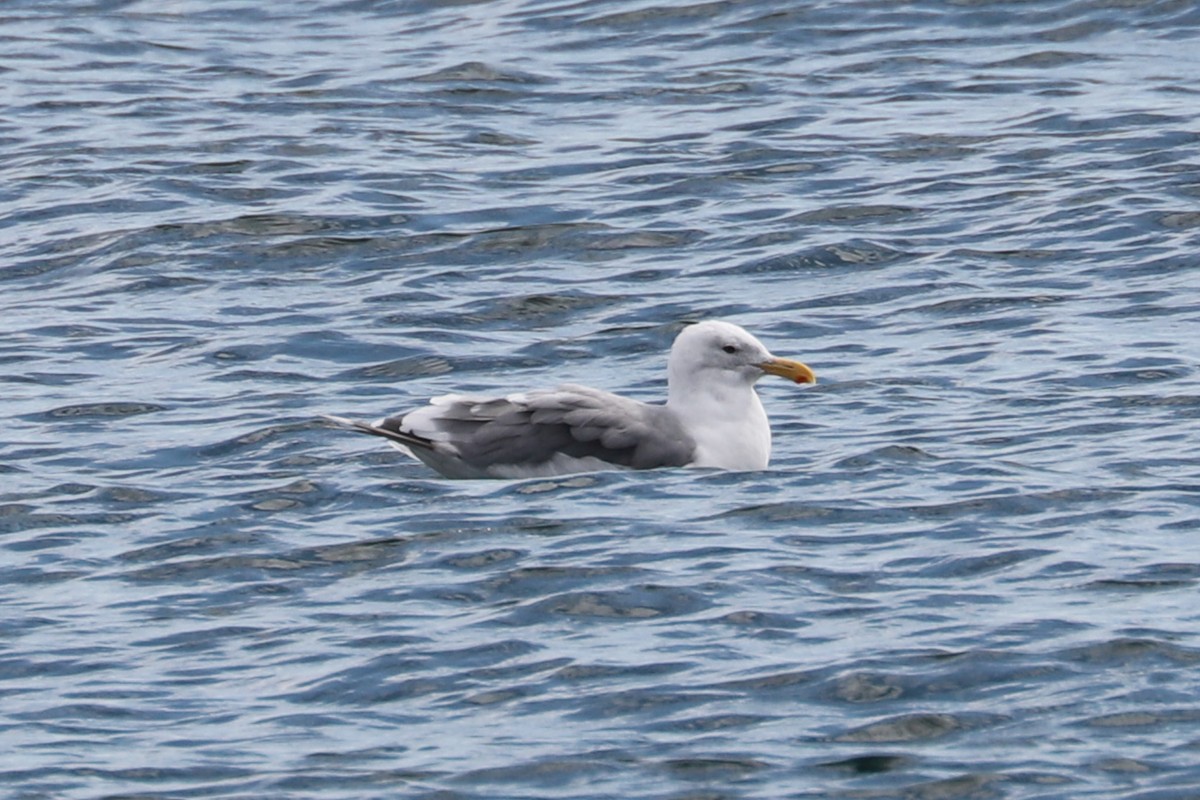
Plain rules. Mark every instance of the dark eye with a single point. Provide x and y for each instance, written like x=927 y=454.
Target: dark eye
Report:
x=729 y=348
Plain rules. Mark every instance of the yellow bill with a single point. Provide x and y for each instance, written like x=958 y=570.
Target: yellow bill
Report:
x=787 y=368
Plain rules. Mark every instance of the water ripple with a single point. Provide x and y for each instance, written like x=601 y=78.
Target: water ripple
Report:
x=969 y=572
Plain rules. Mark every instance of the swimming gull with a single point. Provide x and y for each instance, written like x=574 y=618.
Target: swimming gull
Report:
x=712 y=418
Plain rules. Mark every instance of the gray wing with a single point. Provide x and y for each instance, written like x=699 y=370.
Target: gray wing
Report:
x=534 y=427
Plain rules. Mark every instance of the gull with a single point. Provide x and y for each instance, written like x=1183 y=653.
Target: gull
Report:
x=712 y=417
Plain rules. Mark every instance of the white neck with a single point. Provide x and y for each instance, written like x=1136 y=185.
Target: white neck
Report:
x=726 y=420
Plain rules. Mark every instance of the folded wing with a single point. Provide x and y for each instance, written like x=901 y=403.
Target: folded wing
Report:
x=529 y=430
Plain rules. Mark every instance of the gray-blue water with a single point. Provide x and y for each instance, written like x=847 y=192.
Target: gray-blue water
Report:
x=971 y=571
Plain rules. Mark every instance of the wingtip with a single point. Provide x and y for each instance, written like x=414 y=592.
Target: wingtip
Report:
x=405 y=440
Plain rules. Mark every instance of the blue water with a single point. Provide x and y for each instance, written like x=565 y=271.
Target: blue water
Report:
x=971 y=571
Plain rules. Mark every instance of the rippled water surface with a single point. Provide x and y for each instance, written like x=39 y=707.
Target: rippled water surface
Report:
x=971 y=571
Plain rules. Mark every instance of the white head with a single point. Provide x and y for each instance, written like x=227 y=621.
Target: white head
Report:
x=710 y=385
x=721 y=355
